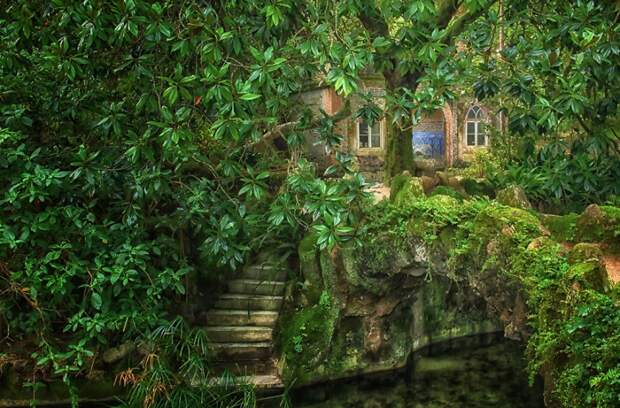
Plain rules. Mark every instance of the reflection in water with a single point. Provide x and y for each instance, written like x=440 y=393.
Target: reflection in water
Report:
x=488 y=377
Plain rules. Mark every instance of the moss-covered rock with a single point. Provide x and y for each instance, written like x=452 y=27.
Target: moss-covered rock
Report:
x=587 y=267
x=599 y=224
x=584 y=252
x=456 y=182
x=447 y=191
x=305 y=337
x=437 y=268
x=477 y=187
x=589 y=275
x=561 y=227
x=514 y=196
x=499 y=220
x=405 y=189
x=429 y=183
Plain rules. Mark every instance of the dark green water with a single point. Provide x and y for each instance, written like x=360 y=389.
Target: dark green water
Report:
x=492 y=376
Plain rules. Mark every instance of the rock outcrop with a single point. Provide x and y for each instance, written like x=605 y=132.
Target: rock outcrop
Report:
x=430 y=270
x=514 y=196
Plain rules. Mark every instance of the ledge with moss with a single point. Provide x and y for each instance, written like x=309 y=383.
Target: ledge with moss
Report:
x=435 y=268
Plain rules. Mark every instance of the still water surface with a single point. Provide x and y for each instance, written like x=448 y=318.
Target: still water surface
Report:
x=487 y=377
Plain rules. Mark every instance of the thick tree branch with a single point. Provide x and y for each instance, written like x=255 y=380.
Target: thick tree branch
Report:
x=375 y=24
x=458 y=24
x=446 y=10
x=281 y=129
x=371 y=19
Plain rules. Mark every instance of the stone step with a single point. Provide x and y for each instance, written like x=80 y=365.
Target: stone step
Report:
x=255 y=287
x=241 y=318
x=267 y=382
x=248 y=302
x=265 y=272
x=245 y=367
x=239 y=334
x=241 y=351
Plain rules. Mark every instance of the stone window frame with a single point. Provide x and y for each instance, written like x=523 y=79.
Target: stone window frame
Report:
x=480 y=117
x=358 y=124
x=379 y=93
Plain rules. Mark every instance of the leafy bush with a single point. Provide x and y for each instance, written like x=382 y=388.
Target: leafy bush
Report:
x=130 y=165
x=564 y=175
x=557 y=81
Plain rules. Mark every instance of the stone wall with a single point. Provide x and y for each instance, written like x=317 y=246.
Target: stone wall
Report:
x=349 y=320
x=433 y=269
x=450 y=120
x=317 y=99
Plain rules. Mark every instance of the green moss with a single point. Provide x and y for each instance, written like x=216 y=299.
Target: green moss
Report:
x=589 y=274
x=405 y=189
x=447 y=191
x=500 y=251
x=397 y=184
x=561 y=227
x=514 y=196
x=434 y=313
x=477 y=187
x=444 y=202
x=584 y=252
x=587 y=266
x=310 y=269
x=520 y=224
x=398 y=152
x=599 y=224
x=305 y=336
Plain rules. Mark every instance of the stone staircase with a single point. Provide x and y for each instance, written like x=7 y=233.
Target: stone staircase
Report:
x=240 y=326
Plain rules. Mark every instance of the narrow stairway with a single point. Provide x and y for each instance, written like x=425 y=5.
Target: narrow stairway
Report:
x=240 y=326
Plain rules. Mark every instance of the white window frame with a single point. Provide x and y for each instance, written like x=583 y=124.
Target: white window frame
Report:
x=361 y=122
x=476 y=122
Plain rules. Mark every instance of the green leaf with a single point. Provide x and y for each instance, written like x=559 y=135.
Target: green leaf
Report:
x=249 y=96
x=171 y=94
x=95 y=300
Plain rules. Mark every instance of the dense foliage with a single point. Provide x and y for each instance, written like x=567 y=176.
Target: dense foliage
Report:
x=129 y=164
x=576 y=341
x=557 y=79
x=136 y=145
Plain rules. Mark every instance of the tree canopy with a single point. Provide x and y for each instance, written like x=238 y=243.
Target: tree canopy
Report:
x=134 y=152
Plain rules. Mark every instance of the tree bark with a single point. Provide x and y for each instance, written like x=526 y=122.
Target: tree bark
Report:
x=399 y=147
x=399 y=151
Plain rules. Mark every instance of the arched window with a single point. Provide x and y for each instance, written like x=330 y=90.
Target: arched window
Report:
x=475 y=131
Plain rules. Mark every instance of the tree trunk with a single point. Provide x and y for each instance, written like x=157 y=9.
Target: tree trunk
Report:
x=399 y=148
x=399 y=151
